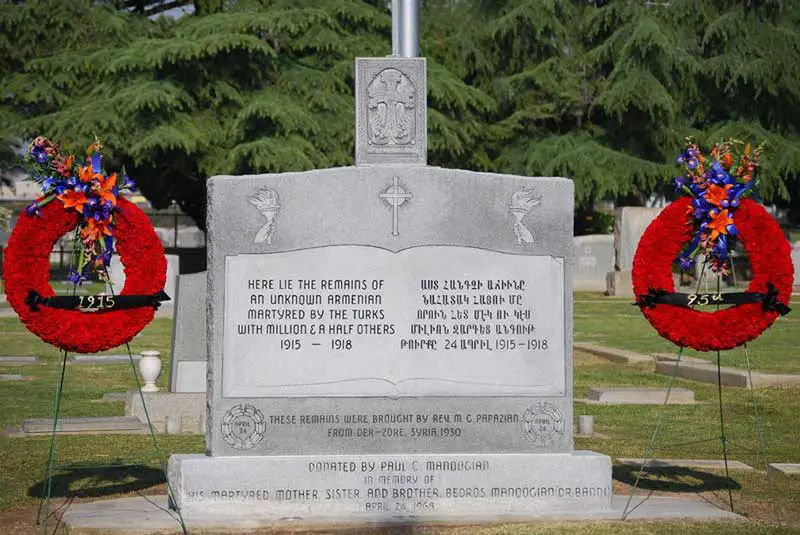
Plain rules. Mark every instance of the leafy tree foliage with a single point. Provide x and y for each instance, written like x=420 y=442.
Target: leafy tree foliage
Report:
x=605 y=91
x=239 y=87
x=601 y=91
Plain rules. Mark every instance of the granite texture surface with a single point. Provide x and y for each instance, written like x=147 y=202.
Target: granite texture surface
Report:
x=379 y=487
x=274 y=214
x=189 y=335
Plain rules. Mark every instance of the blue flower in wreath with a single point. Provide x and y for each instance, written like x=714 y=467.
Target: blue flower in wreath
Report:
x=33 y=209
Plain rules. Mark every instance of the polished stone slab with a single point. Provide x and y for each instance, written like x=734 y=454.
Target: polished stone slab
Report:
x=706 y=372
x=82 y=425
x=371 y=487
x=640 y=396
x=786 y=469
x=187 y=372
x=14 y=360
x=103 y=359
x=139 y=515
x=173 y=412
x=11 y=377
x=718 y=464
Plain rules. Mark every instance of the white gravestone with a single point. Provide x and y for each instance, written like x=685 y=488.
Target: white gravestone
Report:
x=188 y=362
x=629 y=226
x=116 y=272
x=594 y=258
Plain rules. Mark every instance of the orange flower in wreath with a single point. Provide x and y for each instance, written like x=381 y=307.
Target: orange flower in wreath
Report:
x=73 y=199
x=719 y=223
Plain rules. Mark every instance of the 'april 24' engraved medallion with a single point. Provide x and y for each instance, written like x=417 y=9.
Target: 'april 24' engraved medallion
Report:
x=243 y=427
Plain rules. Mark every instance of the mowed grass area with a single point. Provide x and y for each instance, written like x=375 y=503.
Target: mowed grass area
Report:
x=614 y=322
x=621 y=431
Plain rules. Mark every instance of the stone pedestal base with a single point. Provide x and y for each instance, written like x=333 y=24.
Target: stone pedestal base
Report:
x=169 y=412
x=619 y=283
x=386 y=487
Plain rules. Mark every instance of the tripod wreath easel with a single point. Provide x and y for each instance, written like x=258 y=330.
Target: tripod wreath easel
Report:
x=84 y=198
x=708 y=224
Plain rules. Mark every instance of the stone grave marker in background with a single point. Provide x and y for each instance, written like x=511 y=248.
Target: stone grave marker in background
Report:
x=188 y=363
x=390 y=340
x=116 y=272
x=594 y=258
x=796 y=262
x=630 y=224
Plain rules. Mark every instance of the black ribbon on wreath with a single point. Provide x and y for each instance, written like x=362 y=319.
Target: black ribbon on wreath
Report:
x=95 y=303
x=769 y=299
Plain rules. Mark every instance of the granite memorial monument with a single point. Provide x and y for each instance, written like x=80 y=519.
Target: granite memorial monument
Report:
x=390 y=340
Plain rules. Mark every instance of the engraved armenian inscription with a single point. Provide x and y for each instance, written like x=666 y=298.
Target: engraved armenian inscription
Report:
x=359 y=320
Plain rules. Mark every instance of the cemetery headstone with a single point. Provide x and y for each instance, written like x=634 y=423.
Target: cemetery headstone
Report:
x=796 y=262
x=389 y=340
x=116 y=272
x=190 y=237
x=594 y=258
x=188 y=362
x=630 y=224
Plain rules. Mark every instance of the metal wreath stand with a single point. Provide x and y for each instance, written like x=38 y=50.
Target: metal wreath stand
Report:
x=760 y=451
x=43 y=513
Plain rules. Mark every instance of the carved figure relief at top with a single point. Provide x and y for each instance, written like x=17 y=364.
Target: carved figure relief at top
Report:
x=522 y=201
x=267 y=202
x=391 y=102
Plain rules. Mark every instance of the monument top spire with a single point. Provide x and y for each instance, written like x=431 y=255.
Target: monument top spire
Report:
x=405 y=28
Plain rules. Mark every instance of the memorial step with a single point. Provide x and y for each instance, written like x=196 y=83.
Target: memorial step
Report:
x=640 y=396
x=132 y=515
x=103 y=359
x=707 y=373
x=113 y=424
x=613 y=354
x=686 y=463
x=11 y=377
x=784 y=469
x=17 y=360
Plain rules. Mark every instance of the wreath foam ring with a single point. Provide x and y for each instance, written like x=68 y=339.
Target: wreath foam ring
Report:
x=770 y=258
x=26 y=267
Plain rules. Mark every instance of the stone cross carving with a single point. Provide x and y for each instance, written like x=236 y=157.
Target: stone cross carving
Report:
x=391 y=109
x=391 y=97
x=395 y=195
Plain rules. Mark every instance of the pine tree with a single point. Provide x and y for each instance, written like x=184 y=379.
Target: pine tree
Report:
x=604 y=92
x=239 y=87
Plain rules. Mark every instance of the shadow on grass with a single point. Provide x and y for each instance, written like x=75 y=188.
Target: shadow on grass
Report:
x=673 y=479
x=98 y=481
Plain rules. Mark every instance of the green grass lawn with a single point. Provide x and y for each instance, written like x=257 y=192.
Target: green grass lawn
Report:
x=622 y=431
x=615 y=322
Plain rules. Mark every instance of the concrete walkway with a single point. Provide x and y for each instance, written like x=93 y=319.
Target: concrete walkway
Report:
x=134 y=516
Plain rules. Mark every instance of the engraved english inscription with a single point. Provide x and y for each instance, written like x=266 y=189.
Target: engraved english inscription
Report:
x=358 y=320
x=391 y=119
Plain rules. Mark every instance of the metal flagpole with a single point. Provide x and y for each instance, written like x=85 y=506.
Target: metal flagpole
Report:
x=405 y=28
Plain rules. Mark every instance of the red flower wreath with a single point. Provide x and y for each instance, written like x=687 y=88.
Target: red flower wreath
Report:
x=770 y=258
x=26 y=267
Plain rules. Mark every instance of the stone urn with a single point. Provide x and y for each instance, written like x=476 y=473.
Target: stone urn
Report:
x=150 y=370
